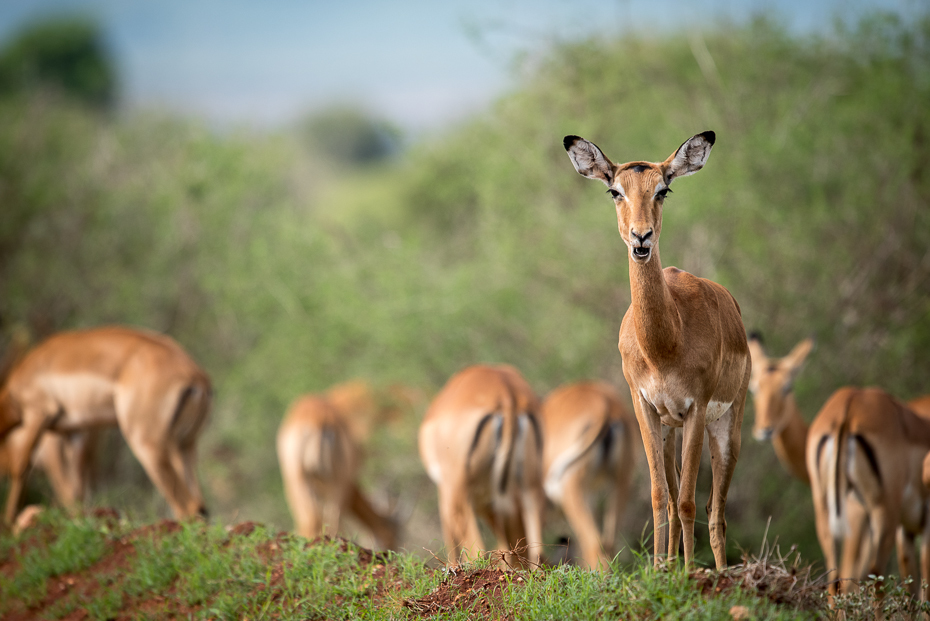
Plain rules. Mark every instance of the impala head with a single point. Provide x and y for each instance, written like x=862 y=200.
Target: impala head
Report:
x=639 y=189
x=771 y=384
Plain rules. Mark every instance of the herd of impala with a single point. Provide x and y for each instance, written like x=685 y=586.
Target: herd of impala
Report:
x=494 y=451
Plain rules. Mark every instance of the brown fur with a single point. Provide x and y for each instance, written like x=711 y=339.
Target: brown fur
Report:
x=777 y=417
x=140 y=381
x=580 y=422
x=320 y=459
x=479 y=444
x=683 y=346
x=865 y=453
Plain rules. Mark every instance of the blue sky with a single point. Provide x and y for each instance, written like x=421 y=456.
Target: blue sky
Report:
x=419 y=63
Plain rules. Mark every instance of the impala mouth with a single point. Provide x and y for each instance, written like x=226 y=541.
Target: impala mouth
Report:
x=641 y=253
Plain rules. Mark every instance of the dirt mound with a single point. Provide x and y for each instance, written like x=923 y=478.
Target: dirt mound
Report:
x=477 y=590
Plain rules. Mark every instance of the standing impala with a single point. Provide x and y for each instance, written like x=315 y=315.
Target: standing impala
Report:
x=319 y=462
x=864 y=496
x=481 y=446
x=140 y=381
x=683 y=346
x=588 y=448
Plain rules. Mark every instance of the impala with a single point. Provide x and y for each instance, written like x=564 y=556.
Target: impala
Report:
x=140 y=381
x=871 y=423
x=481 y=446
x=866 y=444
x=683 y=347
x=588 y=448
x=320 y=460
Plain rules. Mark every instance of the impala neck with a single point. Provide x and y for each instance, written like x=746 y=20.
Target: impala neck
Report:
x=790 y=442
x=655 y=315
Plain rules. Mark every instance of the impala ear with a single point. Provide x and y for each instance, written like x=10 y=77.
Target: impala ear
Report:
x=758 y=357
x=799 y=354
x=690 y=156
x=588 y=159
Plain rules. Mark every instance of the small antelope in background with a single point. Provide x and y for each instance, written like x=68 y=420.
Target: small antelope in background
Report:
x=481 y=445
x=588 y=447
x=683 y=346
x=140 y=381
x=320 y=461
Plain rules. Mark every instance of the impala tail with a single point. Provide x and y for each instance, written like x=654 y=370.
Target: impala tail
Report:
x=604 y=445
x=492 y=452
x=191 y=411
x=321 y=455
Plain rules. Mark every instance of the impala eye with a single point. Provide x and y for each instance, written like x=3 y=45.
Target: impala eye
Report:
x=614 y=194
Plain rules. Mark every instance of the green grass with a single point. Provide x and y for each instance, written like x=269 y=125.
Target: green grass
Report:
x=206 y=571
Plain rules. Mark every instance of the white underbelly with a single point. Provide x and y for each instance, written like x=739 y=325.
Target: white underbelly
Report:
x=86 y=400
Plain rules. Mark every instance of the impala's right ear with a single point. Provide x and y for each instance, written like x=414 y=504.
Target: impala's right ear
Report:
x=588 y=159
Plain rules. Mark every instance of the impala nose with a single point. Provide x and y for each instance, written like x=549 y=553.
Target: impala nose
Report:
x=636 y=237
x=764 y=435
x=641 y=245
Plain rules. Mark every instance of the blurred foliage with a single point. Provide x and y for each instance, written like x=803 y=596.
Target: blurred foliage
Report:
x=285 y=273
x=62 y=54
x=345 y=134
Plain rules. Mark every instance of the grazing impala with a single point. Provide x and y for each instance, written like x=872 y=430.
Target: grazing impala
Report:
x=683 y=346
x=588 y=448
x=319 y=462
x=871 y=421
x=481 y=445
x=140 y=381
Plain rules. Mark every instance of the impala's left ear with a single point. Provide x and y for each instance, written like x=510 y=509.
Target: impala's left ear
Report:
x=690 y=156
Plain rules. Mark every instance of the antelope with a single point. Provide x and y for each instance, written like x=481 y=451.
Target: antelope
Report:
x=140 y=381
x=683 y=347
x=871 y=421
x=481 y=445
x=588 y=447
x=320 y=459
x=866 y=444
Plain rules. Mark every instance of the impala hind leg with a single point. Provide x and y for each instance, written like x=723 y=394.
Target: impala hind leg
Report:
x=822 y=524
x=724 y=445
x=579 y=516
x=157 y=463
x=618 y=496
x=907 y=560
x=924 y=577
x=304 y=506
x=459 y=524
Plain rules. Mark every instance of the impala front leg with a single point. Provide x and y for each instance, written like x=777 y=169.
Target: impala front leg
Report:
x=670 y=453
x=21 y=460
x=651 y=428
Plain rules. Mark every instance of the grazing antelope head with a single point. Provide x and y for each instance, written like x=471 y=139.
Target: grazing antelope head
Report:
x=771 y=384
x=639 y=188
